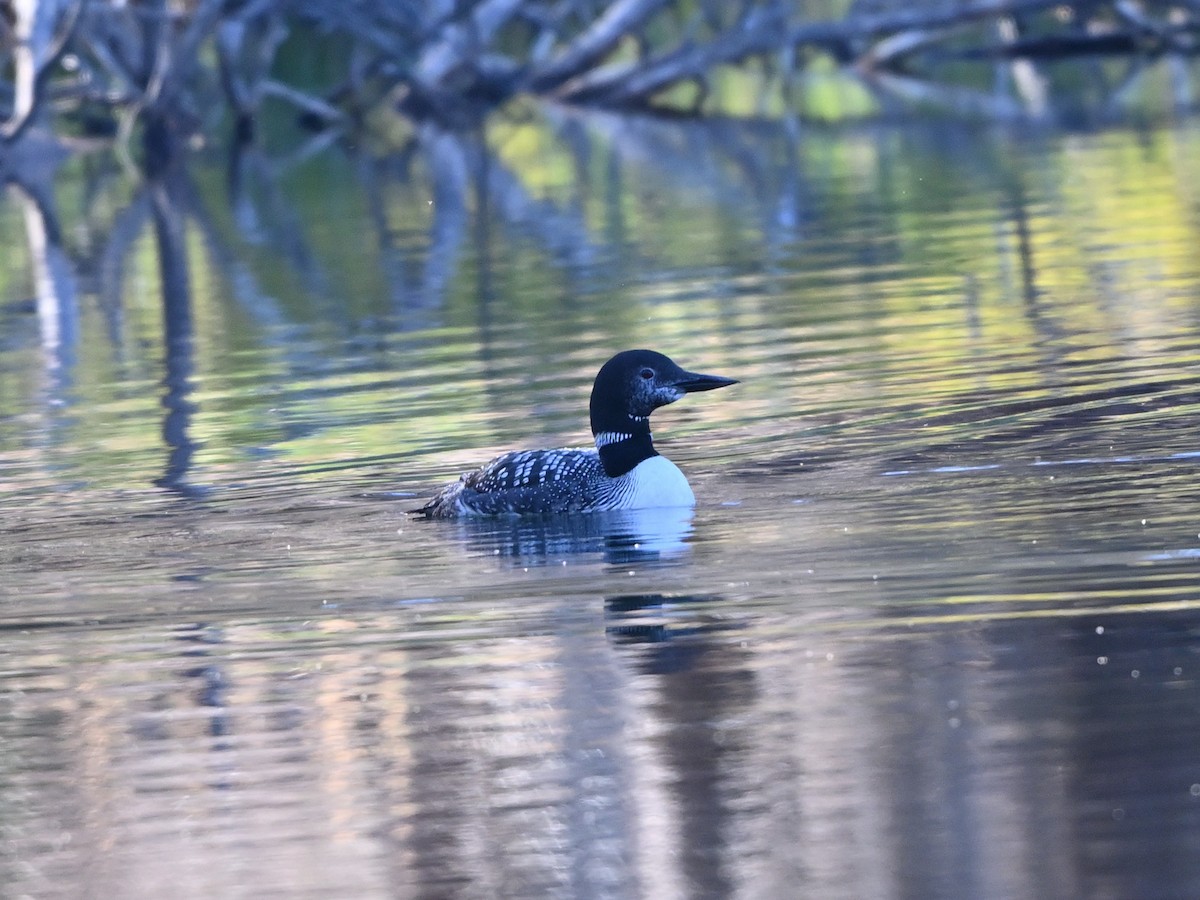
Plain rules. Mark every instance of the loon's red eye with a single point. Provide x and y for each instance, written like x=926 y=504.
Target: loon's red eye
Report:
x=647 y=374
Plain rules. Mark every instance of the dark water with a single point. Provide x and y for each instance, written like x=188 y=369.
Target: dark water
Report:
x=932 y=630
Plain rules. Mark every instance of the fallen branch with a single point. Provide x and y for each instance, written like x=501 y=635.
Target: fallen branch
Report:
x=311 y=105
x=454 y=62
x=622 y=18
x=36 y=50
x=758 y=33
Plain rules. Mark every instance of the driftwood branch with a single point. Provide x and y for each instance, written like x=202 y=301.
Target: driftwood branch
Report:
x=622 y=18
x=452 y=62
x=37 y=48
x=758 y=33
x=461 y=41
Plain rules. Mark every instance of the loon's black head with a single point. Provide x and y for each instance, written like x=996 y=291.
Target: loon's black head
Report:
x=634 y=383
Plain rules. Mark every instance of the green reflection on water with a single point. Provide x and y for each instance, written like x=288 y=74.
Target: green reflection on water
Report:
x=455 y=294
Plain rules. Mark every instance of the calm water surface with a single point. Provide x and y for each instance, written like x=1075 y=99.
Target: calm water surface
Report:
x=932 y=630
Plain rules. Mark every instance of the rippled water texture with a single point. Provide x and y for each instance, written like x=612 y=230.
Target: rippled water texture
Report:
x=931 y=631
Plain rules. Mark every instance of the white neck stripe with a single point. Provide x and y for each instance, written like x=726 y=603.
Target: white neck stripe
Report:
x=604 y=438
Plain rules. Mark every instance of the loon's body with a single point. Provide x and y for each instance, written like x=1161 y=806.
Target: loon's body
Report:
x=623 y=471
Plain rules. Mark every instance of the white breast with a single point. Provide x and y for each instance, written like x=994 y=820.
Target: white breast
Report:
x=656 y=482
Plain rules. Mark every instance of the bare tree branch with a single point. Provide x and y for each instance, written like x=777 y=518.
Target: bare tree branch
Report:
x=456 y=60
x=761 y=31
x=35 y=51
x=620 y=19
x=459 y=41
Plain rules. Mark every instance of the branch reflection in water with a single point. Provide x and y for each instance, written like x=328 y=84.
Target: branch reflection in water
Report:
x=164 y=177
x=943 y=644
x=30 y=173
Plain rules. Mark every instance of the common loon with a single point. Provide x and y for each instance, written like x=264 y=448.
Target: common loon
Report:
x=623 y=472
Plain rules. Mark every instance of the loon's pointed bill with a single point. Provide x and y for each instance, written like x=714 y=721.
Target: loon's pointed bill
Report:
x=694 y=382
x=622 y=471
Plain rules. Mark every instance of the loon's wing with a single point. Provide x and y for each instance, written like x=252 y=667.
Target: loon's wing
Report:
x=534 y=469
x=523 y=482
